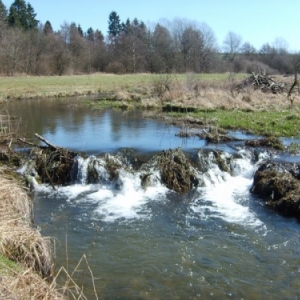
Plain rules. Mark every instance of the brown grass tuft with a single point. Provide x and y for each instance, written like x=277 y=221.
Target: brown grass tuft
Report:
x=19 y=241
x=25 y=256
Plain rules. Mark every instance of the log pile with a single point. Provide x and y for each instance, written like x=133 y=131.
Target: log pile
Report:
x=261 y=82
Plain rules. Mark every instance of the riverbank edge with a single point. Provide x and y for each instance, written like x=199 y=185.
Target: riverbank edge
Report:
x=25 y=255
x=209 y=97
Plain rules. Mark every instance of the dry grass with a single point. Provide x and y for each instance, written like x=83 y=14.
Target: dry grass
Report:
x=26 y=285
x=204 y=91
x=214 y=94
x=19 y=241
x=25 y=255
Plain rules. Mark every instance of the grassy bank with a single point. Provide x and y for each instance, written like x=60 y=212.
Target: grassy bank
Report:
x=267 y=123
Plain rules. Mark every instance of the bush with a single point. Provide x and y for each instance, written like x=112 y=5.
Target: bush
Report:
x=115 y=67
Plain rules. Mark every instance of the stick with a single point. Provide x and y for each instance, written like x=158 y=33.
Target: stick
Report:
x=46 y=142
x=27 y=143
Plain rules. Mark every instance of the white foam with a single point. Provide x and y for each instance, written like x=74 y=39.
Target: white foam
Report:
x=228 y=195
x=129 y=202
x=224 y=196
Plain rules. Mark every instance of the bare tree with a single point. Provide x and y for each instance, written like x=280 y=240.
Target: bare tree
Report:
x=11 y=49
x=58 y=54
x=296 y=64
x=194 y=44
x=231 y=45
x=281 y=45
x=162 y=48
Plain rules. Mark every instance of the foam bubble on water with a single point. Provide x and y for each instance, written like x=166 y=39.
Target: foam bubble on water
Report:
x=127 y=202
x=228 y=196
x=225 y=195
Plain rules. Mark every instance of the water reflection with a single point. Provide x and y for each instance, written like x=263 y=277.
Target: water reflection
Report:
x=95 y=131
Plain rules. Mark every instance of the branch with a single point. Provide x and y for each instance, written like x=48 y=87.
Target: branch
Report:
x=45 y=141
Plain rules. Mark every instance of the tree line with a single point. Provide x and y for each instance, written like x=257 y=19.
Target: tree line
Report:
x=29 y=47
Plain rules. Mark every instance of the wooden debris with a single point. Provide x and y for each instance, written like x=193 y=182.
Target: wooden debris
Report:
x=176 y=171
x=263 y=82
x=53 y=164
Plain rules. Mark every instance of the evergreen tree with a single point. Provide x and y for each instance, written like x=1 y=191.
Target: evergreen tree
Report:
x=22 y=15
x=80 y=31
x=47 y=28
x=3 y=12
x=90 y=35
x=31 y=21
x=114 y=24
x=99 y=37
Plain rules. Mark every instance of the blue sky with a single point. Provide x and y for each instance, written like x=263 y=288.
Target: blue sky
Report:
x=256 y=21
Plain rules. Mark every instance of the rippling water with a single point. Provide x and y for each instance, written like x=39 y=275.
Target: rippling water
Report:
x=216 y=242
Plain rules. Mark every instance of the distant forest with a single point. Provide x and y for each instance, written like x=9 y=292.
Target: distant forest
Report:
x=29 y=47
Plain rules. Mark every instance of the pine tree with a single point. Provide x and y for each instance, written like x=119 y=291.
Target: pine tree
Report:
x=22 y=15
x=90 y=35
x=47 y=28
x=114 y=24
x=3 y=12
x=31 y=21
x=80 y=31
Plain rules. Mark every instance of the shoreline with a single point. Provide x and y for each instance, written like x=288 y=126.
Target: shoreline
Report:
x=206 y=97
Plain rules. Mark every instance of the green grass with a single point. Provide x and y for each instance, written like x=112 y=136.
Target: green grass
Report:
x=7 y=265
x=267 y=123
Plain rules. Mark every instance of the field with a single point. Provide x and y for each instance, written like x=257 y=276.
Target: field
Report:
x=203 y=95
x=20 y=87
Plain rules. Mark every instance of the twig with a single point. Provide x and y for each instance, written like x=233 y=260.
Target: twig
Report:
x=27 y=143
x=45 y=141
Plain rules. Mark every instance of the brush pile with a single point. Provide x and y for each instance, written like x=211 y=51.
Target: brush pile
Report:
x=261 y=82
x=54 y=165
x=176 y=171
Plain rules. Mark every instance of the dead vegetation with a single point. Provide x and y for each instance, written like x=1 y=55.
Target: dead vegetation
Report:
x=19 y=241
x=254 y=92
x=176 y=171
x=53 y=164
x=262 y=82
x=26 y=268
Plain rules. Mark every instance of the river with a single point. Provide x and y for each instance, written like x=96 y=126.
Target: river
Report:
x=218 y=242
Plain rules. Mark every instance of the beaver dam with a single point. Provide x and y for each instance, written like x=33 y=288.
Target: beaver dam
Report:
x=161 y=215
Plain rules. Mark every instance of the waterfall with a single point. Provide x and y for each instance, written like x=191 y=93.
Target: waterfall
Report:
x=119 y=191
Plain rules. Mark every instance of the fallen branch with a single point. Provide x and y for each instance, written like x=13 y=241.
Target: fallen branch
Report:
x=46 y=142
x=28 y=143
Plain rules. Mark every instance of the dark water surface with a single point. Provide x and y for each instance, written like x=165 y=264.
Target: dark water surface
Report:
x=219 y=243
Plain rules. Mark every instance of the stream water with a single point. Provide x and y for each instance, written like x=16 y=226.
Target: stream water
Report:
x=217 y=242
